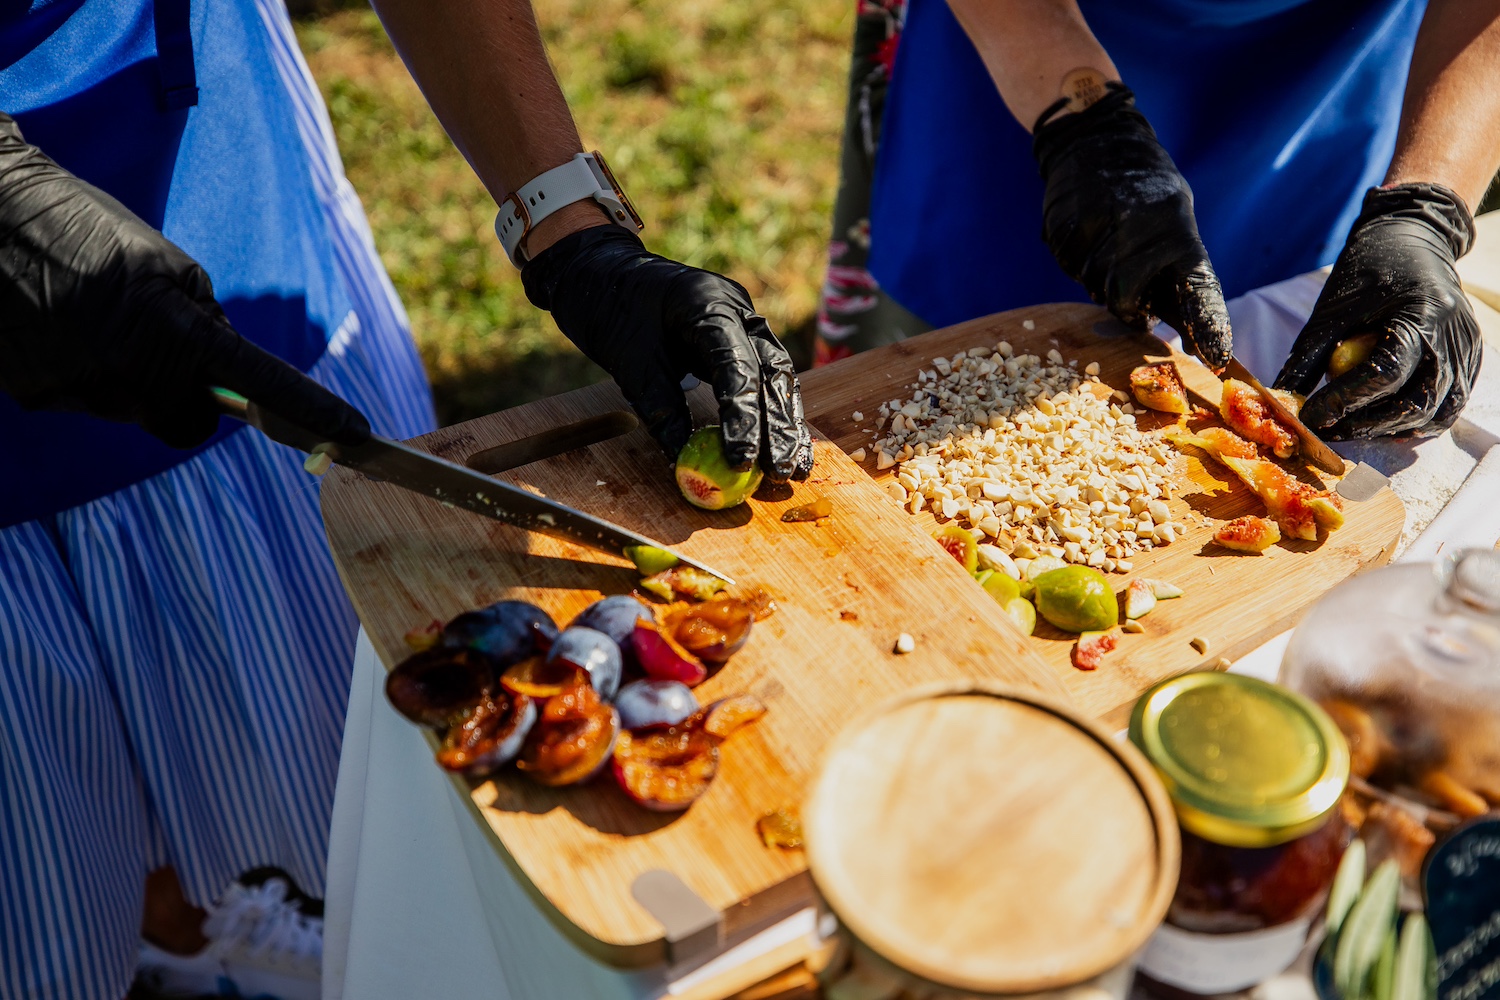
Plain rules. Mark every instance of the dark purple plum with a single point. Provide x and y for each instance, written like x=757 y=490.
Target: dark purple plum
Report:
x=506 y=632
x=593 y=652
x=615 y=617
x=654 y=703
x=430 y=686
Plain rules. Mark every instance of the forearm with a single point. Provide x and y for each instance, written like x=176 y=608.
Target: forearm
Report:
x=1450 y=121
x=1032 y=48
x=482 y=66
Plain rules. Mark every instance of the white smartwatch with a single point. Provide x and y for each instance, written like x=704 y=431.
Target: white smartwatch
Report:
x=586 y=175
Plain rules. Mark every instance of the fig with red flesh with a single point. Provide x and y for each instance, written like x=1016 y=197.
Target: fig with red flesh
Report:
x=1250 y=416
x=482 y=738
x=594 y=653
x=1217 y=441
x=960 y=545
x=662 y=658
x=666 y=770
x=573 y=739
x=431 y=686
x=1248 y=534
x=1298 y=508
x=1159 y=387
x=1089 y=650
x=713 y=631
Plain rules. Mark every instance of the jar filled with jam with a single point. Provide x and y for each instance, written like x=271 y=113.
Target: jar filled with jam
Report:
x=1255 y=773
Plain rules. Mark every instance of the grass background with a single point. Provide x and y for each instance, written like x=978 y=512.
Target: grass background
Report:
x=720 y=119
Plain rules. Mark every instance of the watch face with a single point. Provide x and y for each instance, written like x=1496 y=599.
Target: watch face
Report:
x=624 y=198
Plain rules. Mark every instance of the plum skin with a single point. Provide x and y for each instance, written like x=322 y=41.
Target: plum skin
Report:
x=654 y=703
x=593 y=652
x=615 y=617
x=506 y=631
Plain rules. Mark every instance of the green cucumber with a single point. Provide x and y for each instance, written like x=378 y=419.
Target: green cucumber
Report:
x=1364 y=930
x=1346 y=885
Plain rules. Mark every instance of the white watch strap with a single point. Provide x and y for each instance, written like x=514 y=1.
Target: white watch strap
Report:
x=586 y=175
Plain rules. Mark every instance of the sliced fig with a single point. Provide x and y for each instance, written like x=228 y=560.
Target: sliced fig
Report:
x=1139 y=599
x=1248 y=534
x=573 y=739
x=1217 y=441
x=687 y=581
x=666 y=770
x=782 y=828
x=1248 y=415
x=1298 y=508
x=662 y=658
x=1164 y=590
x=1089 y=650
x=705 y=477
x=712 y=631
x=960 y=545
x=538 y=677
x=506 y=631
x=651 y=703
x=593 y=652
x=1159 y=387
x=482 y=738
x=431 y=686
x=728 y=714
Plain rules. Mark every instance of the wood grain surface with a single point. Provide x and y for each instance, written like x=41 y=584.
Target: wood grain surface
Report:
x=991 y=841
x=1233 y=601
x=846 y=588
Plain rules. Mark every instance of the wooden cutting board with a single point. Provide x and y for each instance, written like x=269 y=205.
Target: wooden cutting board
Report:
x=846 y=588
x=1233 y=601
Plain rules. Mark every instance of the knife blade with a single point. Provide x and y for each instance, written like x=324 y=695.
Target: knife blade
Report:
x=449 y=483
x=1313 y=447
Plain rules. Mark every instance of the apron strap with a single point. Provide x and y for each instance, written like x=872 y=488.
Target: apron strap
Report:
x=174 y=55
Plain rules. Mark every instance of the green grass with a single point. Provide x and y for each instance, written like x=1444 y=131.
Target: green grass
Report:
x=721 y=120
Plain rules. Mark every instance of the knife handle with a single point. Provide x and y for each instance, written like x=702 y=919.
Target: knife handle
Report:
x=276 y=428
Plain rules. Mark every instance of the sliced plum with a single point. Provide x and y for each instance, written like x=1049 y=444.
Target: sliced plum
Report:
x=573 y=739
x=712 y=631
x=652 y=703
x=614 y=616
x=591 y=651
x=431 y=686
x=727 y=715
x=666 y=770
x=538 y=677
x=663 y=658
x=506 y=631
x=491 y=733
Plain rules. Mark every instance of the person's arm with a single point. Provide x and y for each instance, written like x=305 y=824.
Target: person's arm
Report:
x=1117 y=214
x=1394 y=285
x=646 y=320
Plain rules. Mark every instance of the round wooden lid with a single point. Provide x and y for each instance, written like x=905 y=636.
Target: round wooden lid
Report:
x=989 y=840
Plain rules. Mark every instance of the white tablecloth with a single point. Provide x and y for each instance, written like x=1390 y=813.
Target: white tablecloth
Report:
x=419 y=904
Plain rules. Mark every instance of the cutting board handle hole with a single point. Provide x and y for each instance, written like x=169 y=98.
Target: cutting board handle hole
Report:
x=553 y=442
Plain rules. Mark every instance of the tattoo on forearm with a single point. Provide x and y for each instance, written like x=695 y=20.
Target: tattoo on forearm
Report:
x=1082 y=87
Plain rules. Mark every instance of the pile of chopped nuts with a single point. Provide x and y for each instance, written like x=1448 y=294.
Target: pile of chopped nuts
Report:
x=1031 y=453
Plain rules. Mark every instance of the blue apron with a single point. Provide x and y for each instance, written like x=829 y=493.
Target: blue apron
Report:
x=180 y=116
x=1280 y=113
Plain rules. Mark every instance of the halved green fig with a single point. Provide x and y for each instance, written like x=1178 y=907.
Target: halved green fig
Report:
x=960 y=545
x=573 y=739
x=1001 y=587
x=649 y=559
x=1164 y=590
x=1076 y=599
x=1139 y=599
x=1091 y=647
x=705 y=477
x=1023 y=613
x=1159 y=387
x=666 y=770
x=482 y=738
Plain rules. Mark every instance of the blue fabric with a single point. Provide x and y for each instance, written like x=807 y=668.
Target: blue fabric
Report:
x=227 y=180
x=1279 y=113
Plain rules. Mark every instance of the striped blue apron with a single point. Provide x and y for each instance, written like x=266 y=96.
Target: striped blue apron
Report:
x=174 y=641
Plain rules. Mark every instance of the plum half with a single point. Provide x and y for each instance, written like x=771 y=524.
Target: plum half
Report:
x=614 y=616
x=593 y=652
x=666 y=770
x=663 y=658
x=713 y=631
x=573 y=739
x=431 y=686
x=487 y=735
x=651 y=703
x=506 y=631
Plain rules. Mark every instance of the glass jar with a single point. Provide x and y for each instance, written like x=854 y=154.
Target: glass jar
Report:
x=1406 y=659
x=1255 y=773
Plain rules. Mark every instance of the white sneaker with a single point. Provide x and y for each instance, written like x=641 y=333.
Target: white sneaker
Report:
x=260 y=947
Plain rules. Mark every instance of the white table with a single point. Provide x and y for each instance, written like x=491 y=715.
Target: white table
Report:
x=420 y=905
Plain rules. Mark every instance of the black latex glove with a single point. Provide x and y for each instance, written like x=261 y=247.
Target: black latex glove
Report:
x=100 y=312
x=1395 y=279
x=649 y=321
x=1118 y=217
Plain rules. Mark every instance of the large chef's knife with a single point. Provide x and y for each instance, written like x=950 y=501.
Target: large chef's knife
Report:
x=449 y=483
x=1316 y=451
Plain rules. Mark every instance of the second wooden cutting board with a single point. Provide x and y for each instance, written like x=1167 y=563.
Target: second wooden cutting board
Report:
x=1234 y=602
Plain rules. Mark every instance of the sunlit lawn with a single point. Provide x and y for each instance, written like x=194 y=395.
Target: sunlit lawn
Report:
x=721 y=120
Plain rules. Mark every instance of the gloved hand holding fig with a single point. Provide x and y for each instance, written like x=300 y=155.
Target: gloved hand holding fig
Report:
x=1118 y=216
x=101 y=312
x=1394 y=281
x=650 y=321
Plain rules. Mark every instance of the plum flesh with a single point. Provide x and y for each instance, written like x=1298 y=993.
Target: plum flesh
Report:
x=713 y=631
x=666 y=770
x=662 y=658
x=573 y=739
x=431 y=686
x=482 y=738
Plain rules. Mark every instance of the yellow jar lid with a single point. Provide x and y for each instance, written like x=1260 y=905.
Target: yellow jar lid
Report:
x=1247 y=763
